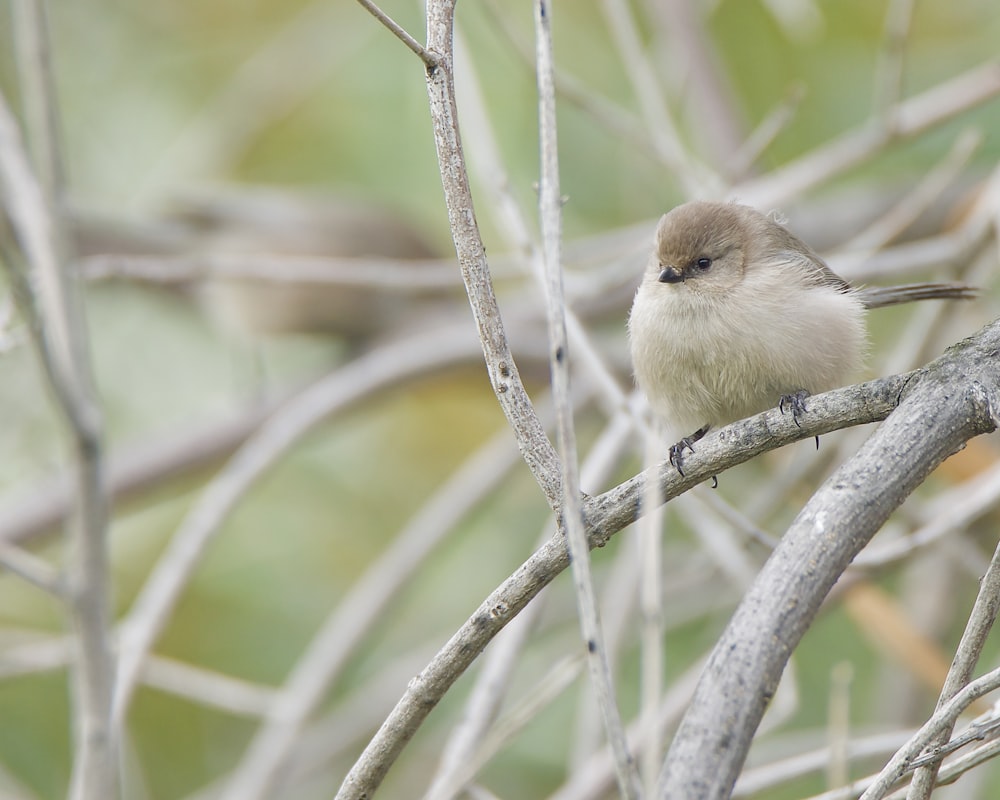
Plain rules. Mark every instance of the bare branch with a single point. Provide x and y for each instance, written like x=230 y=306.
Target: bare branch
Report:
x=429 y=58
x=259 y=772
x=496 y=670
x=613 y=510
x=984 y=613
x=61 y=341
x=696 y=178
x=535 y=446
x=942 y=719
x=889 y=71
x=743 y=672
x=550 y=211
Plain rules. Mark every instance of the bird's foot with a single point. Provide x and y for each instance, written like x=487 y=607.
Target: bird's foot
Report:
x=677 y=450
x=795 y=402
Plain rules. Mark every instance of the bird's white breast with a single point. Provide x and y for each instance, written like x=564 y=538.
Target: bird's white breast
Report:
x=711 y=359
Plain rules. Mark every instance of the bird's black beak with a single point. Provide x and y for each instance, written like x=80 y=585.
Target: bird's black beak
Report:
x=671 y=275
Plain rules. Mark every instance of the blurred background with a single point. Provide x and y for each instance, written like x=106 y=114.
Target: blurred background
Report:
x=255 y=208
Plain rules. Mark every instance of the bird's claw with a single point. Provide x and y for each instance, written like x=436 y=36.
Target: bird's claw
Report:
x=796 y=403
x=687 y=443
x=677 y=454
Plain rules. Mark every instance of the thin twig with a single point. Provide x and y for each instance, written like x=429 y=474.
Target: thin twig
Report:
x=767 y=130
x=550 y=212
x=617 y=120
x=497 y=669
x=430 y=59
x=32 y=569
x=889 y=70
x=942 y=719
x=699 y=77
x=981 y=619
x=651 y=640
x=918 y=199
x=486 y=162
x=696 y=179
x=759 y=780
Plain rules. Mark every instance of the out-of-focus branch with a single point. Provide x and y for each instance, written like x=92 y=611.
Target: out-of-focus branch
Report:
x=31 y=201
x=889 y=71
x=912 y=117
x=155 y=602
x=267 y=756
x=696 y=178
x=129 y=471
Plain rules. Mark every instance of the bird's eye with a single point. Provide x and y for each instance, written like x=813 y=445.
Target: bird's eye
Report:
x=703 y=263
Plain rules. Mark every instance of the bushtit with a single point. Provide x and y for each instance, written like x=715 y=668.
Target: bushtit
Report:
x=735 y=314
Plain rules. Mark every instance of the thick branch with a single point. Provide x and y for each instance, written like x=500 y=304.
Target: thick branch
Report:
x=613 y=510
x=941 y=407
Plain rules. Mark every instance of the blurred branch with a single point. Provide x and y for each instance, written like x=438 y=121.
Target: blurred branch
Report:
x=697 y=67
x=386 y=274
x=919 y=199
x=32 y=569
x=739 y=163
x=38 y=94
x=913 y=116
x=32 y=205
x=757 y=780
x=497 y=668
x=258 y=773
x=889 y=70
x=940 y=407
x=695 y=177
x=606 y=112
x=386 y=366
x=131 y=470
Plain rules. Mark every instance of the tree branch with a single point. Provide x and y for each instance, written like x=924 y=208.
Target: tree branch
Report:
x=941 y=407
x=984 y=613
x=550 y=212
x=532 y=441
x=972 y=365
x=32 y=205
x=429 y=58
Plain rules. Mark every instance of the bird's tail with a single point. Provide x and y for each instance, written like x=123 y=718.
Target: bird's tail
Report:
x=879 y=296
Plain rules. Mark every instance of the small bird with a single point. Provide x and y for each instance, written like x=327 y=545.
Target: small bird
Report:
x=736 y=314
